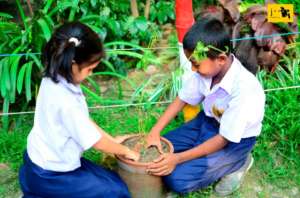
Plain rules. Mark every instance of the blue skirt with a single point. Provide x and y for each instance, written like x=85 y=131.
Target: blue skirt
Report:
x=201 y=172
x=88 y=181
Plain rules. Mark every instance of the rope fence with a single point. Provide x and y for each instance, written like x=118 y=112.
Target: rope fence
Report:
x=170 y=47
x=153 y=48
x=143 y=103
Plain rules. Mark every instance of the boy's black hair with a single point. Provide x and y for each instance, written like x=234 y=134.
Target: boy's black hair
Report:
x=209 y=31
x=59 y=52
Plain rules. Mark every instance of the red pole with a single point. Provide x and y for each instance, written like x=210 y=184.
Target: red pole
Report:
x=184 y=17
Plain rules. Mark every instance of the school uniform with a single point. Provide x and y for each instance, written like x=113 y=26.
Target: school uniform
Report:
x=233 y=108
x=62 y=131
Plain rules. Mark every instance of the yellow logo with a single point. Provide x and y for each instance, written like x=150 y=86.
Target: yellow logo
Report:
x=217 y=112
x=280 y=13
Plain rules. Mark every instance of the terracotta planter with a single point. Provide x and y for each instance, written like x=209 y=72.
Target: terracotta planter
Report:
x=141 y=184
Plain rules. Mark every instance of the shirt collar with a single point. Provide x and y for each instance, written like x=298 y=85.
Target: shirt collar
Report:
x=70 y=86
x=229 y=79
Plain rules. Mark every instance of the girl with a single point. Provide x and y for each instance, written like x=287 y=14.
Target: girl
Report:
x=62 y=129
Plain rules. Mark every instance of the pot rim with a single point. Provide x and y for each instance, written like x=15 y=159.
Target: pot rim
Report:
x=142 y=164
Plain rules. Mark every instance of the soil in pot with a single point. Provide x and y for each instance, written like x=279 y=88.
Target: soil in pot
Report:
x=138 y=143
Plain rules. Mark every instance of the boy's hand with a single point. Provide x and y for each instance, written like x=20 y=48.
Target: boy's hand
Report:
x=164 y=165
x=154 y=140
x=132 y=155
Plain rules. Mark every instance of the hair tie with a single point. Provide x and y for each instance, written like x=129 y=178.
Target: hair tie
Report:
x=75 y=41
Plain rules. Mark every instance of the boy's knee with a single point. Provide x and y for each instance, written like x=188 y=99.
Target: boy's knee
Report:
x=175 y=184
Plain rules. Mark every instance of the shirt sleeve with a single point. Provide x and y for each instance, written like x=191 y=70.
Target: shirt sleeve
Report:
x=80 y=127
x=234 y=120
x=191 y=90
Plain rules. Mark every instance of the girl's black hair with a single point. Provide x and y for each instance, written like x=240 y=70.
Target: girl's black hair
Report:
x=209 y=31
x=59 y=53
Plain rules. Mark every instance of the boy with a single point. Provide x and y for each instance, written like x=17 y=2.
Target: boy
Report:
x=217 y=143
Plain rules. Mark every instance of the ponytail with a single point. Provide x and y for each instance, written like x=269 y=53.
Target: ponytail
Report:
x=72 y=42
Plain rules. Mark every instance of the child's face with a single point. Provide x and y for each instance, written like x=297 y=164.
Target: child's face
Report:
x=207 y=67
x=80 y=74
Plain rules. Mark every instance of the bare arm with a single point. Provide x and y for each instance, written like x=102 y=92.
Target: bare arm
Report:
x=212 y=145
x=153 y=139
x=172 y=110
x=108 y=144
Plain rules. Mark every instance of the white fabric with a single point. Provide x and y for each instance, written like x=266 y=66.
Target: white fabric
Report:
x=62 y=128
x=237 y=102
x=185 y=64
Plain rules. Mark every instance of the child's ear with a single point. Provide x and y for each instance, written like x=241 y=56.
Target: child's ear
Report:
x=222 y=59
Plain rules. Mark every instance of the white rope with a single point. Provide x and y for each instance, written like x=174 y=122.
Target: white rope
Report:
x=282 y=88
x=141 y=104
x=142 y=48
x=96 y=107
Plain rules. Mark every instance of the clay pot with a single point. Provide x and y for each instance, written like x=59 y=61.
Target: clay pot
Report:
x=140 y=183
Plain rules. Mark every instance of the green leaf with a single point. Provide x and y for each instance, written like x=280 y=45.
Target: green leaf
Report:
x=20 y=79
x=100 y=100
x=61 y=7
x=47 y=6
x=114 y=26
x=125 y=53
x=28 y=81
x=156 y=93
x=141 y=23
x=91 y=93
x=13 y=76
x=123 y=43
x=73 y=10
x=37 y=61
x=95 y=85
x=5 y=15
x=5 y=80
x=90 y=18
x=95 y=28
x=45 y=28
x=15 y=40
x=49 y=21
x=109 y=65
x=93 y=3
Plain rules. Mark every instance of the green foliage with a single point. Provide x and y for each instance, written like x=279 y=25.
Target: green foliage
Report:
x=162 y=12
x=281 y=123
x=110 y=19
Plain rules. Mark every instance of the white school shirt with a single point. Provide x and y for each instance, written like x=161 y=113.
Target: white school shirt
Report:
x=237 y=102
x=62 y=128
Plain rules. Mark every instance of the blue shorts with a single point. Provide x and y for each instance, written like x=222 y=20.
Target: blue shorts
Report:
x=201 y=172
x=88 y=181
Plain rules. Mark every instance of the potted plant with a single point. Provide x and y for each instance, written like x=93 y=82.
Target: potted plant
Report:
x=139 y=182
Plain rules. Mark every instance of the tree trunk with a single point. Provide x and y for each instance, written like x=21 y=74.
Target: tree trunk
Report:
x=30 y=7
x=147 y=9
x=134 y=8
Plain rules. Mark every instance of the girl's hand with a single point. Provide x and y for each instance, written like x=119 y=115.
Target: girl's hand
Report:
x=164 y=165
x=132 y=155
x=121 y=138
x=154 y=140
